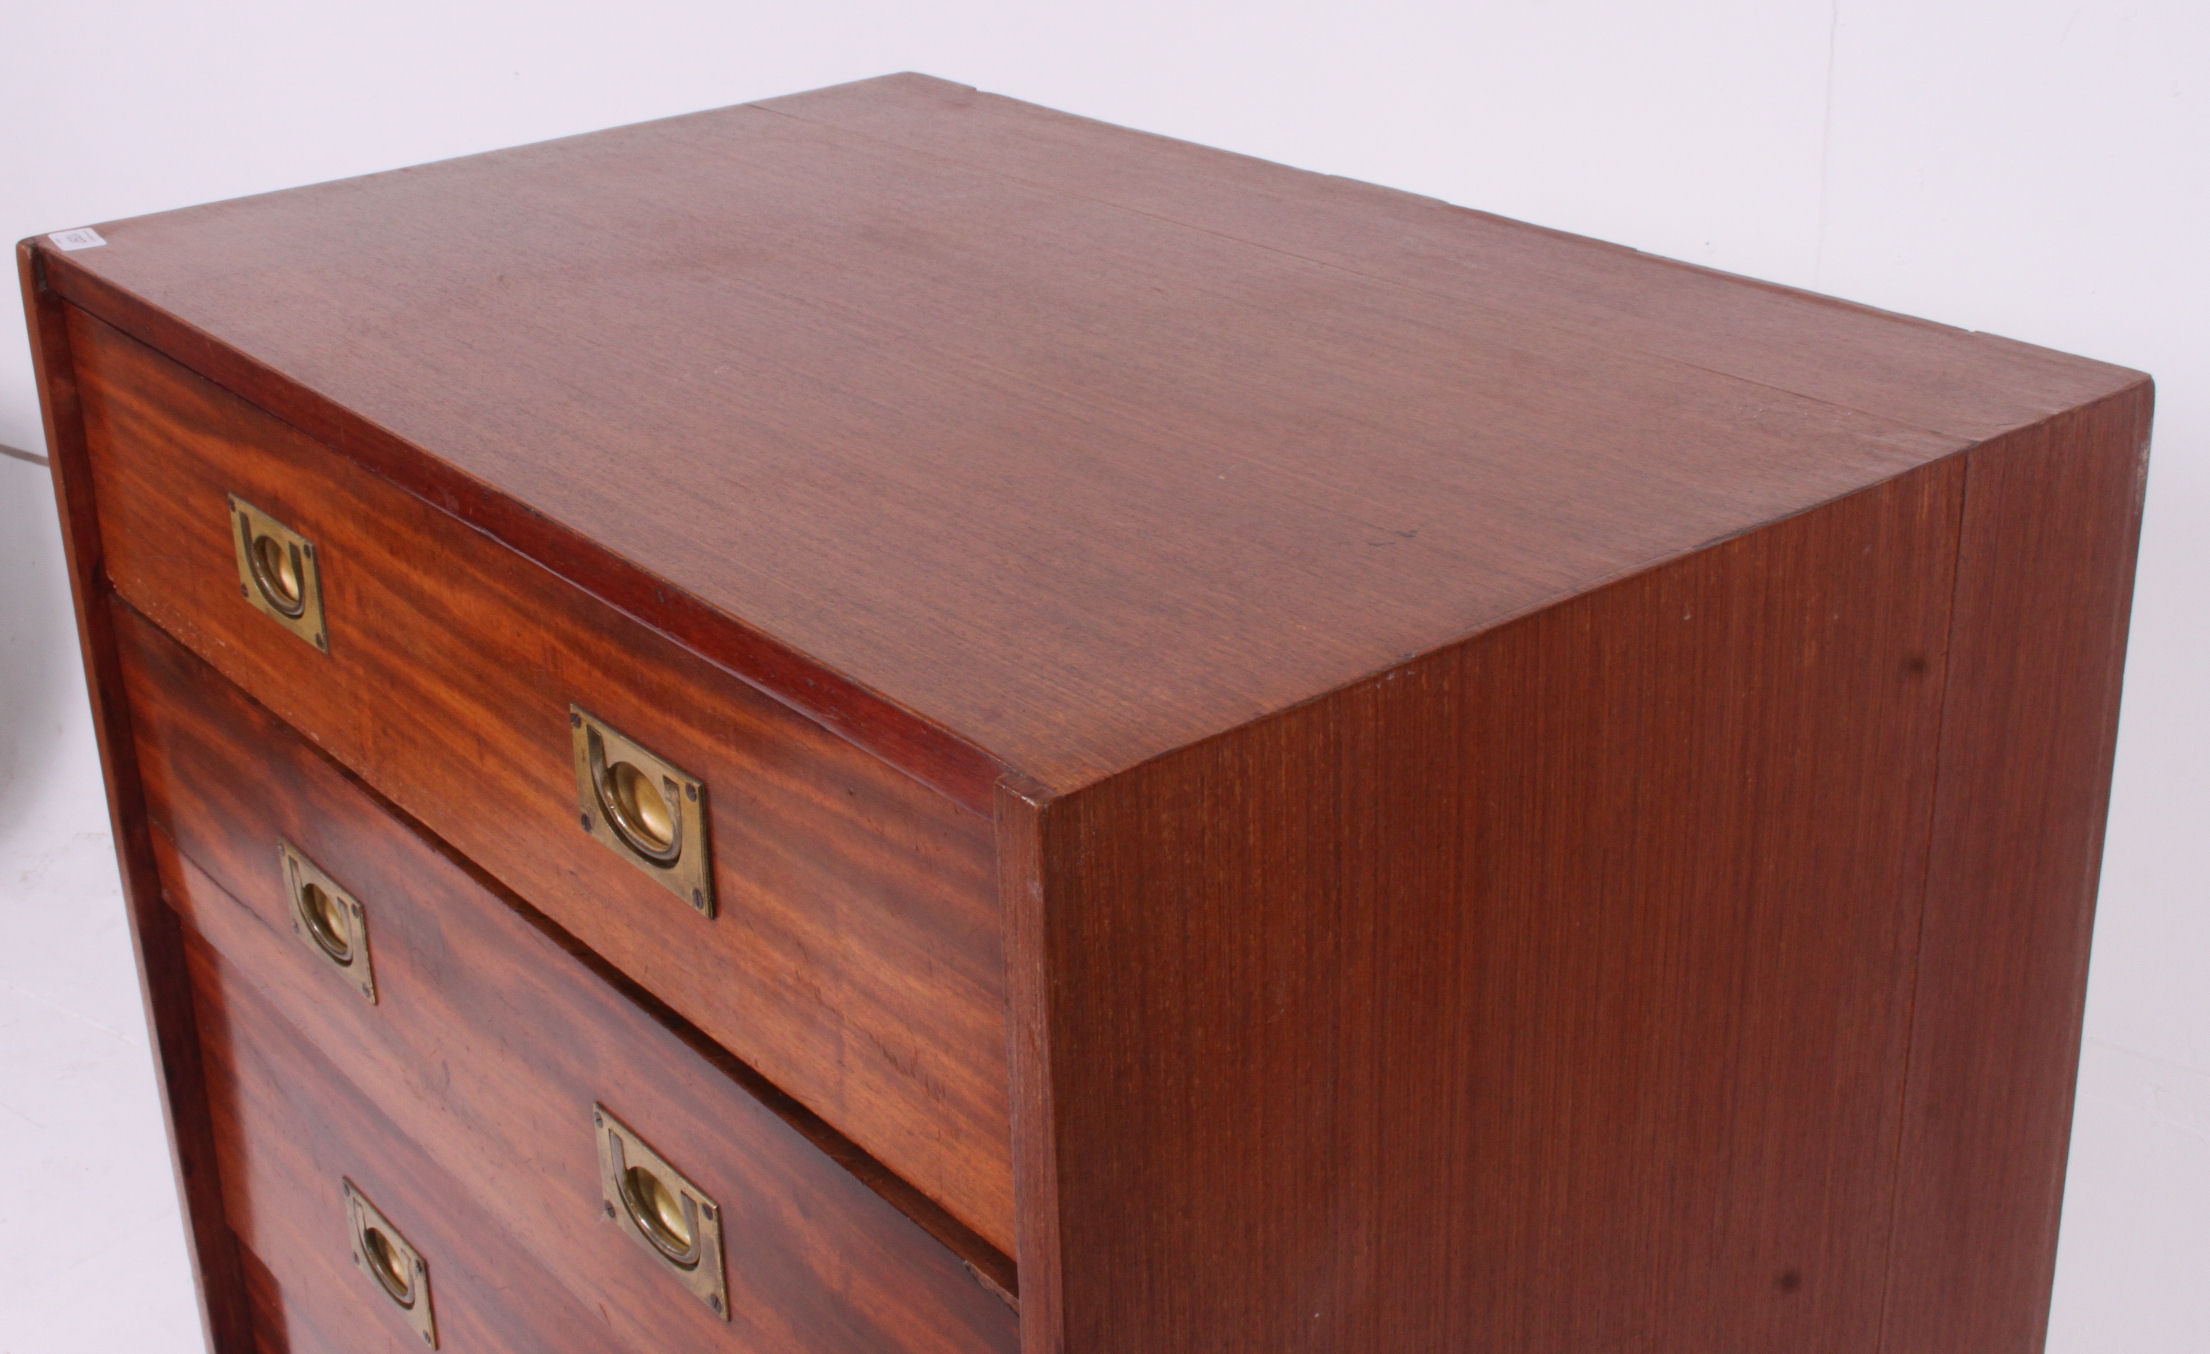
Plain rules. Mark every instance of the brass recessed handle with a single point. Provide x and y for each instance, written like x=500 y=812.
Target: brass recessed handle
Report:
x=387 y=1264
x=329 y=921
x=644 y=807
x=397 y=1268
x=278 y=572
x=666 y=1215
x=661 y=1210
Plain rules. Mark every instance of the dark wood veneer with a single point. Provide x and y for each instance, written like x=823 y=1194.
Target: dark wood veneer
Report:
x=1539 y=798
x=1072 y=482
x=290 y=1129
x=489 y=1043
x=278 y=1326
x=857 y=959
x=1528 y=995
x=1502 y=275
x=2044 y=590
x=155 y=938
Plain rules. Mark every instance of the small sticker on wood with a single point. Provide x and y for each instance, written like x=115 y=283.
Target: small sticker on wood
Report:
x=84 y=237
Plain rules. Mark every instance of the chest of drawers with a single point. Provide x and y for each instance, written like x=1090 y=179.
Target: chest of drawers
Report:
x=888 y=721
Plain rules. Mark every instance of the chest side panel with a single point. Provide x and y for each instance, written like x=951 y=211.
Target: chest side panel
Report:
x=1547 y=994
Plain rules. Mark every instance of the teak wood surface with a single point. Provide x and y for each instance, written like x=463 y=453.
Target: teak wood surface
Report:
x=1543 y=798
x=1072 y=476
x=490 y=1043
x=857 y=959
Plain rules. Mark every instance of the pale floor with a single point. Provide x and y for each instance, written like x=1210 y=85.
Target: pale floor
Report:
x=92 y=1255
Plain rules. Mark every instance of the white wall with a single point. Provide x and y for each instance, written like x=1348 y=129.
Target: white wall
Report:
x=2030 y=167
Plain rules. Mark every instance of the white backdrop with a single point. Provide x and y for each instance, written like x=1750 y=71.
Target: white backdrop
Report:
x=2036 y=168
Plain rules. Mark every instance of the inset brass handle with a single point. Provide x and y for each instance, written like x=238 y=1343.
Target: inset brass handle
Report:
x=397 y=1267
x=648 y=817
x=387 y=1264
x=661 y=1210
x=667 y=1217
x=328 y=920
x=278 y=572
x=646 y=808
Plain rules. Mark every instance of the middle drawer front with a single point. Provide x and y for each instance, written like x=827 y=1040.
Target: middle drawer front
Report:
x=488 y=1044
x=856 y=959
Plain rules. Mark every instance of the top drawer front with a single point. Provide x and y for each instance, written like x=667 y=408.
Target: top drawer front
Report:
x=856 y=960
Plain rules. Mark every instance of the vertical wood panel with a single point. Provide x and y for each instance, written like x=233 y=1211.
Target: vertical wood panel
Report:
x=1020 y=820
x=154 y=934
x=1547 y=994
x=2044 y=590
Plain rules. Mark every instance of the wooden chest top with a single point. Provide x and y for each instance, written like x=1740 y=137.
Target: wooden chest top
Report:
x=1006 y=441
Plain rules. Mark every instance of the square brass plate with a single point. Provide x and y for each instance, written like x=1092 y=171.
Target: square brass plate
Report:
x=278 y=572
x=336 y=931
x=644 y=808
x=396 y=1268
x=661 y=1210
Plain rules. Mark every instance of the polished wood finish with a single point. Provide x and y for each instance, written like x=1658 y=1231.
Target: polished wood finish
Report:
x=1073 y=483
x=290 y=1129
x=1505 y=277
x=1538 y=797
x=155 y=939
x=1530 y=995
x=857 y=958
x=2044 y=590
x=278 y=1326
x=490 y=1042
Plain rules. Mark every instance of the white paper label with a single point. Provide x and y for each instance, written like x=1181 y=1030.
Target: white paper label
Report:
x=84 y=237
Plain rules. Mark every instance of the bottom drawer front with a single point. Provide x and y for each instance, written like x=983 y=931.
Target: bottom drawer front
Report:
x=289 y=1132
x=489 y=1044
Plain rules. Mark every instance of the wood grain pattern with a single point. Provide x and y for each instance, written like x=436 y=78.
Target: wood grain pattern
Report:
x=1330 y=772
x=1548 y=994
x=857 y=959
x=153 y=929
x=2045 y=585
x=1070 y=482
x=1513 y=275
x=1035 y=1114
x=499 y=1281
x=289 y=1130
x=926 y=751
x=277 y=1325
x=490 y=1042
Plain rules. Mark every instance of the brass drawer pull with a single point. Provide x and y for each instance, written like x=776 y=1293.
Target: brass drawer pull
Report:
x=278 y=572
x=661 y=1210
x=398 y=1268
x=648 y=810
x=330 y=922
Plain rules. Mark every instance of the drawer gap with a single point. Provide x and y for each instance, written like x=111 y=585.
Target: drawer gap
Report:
x=992 y=1269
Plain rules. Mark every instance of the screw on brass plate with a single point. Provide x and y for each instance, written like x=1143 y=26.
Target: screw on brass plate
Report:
x=644 y=808
x=329 y=921
x=394 y=1266
x=661 y=1210
x=279 y=572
